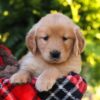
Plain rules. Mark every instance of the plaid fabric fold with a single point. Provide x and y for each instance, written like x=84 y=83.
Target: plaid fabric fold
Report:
x=17 y=92
x=70 y=87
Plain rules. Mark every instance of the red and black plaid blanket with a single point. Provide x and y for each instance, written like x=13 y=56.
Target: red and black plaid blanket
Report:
x=70 y=87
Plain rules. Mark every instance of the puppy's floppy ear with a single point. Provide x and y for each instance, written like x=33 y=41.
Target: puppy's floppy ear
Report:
x=79 y=41
x=31 y=39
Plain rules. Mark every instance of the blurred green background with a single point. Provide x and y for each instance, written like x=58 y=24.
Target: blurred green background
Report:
x=17 y=17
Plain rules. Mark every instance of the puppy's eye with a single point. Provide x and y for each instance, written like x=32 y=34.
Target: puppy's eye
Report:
x=65 y=38
x=46 y=38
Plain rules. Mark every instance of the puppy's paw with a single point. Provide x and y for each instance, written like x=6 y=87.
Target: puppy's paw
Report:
x=20 y=78
x=44 y=84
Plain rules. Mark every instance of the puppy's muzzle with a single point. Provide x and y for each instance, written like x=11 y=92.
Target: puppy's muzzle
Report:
x=55 y=55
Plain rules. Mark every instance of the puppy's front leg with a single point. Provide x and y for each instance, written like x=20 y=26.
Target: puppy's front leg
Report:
x=22 y=76
x=47 y=79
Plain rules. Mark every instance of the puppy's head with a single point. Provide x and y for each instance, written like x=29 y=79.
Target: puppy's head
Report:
x=55 y=37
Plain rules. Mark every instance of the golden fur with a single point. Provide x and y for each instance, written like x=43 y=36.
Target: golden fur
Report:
x=52 y=32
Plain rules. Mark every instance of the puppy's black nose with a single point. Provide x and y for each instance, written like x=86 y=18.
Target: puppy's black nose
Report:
x=55 y=54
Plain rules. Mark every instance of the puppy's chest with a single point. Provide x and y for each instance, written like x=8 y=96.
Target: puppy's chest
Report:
x=65 y=68
x=39 y=68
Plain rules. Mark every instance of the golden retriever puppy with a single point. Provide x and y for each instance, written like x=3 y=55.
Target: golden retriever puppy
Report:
x=55 y=44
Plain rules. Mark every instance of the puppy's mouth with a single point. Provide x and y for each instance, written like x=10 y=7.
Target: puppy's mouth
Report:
x=54 y=61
